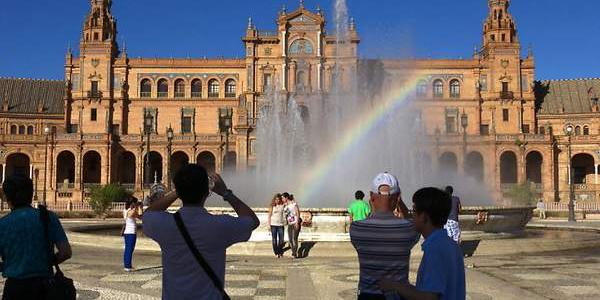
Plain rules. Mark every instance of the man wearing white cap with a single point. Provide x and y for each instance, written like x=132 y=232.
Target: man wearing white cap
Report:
x=383 y=241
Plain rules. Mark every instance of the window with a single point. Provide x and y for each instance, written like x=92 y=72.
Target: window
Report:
x=484 y=83
x=94 y=115
x=94 y=88
x=213 y=88
x=526 y=128
x=577 y=130
x=145 y=88
x=542 y=130
x=186 y=124
x=505 y=115
x=586 y=130
x=451 y=120
x=422 y=88
x=73 y=128
x=196 y=88
x=163 y=88
x=267 y=82
x=455 y=88
x=484 y=129
x=504 y=37
x=179 y=88
x=493 y=37
x=438 y=88
x=30 y=130
x=22 y=129
x=150 y=113
x=504 y=87
x=230 y=89
x=13 y=129
x=96 y=36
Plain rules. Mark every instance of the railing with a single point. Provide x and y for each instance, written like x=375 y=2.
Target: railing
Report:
x=77 y=206
x=90 y=185
x=128 y=186
x=505 y=187
x=162 y=94
x=65 y=186
x=267 y=33
x=196 y=94
x=94 y=94
x=229 y=95
x=145 y=94
x=507 y=95
x=179 y=94
x=213 y=95
x=579 y=206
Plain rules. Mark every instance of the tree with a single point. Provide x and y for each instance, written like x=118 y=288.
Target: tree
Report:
x=522 y=194
x=102 y=198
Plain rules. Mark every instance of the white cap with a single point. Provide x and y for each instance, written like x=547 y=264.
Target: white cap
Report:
x=386 y=179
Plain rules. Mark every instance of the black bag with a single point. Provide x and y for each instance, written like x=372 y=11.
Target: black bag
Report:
x=57 y=287
x=199 y=258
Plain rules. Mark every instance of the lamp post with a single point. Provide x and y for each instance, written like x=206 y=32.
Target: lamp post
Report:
x=47 y=131
x=569 y=132
x=169 y=150
x=225 y=124
x=148 y=122
x=36 y=173
x=464 y=123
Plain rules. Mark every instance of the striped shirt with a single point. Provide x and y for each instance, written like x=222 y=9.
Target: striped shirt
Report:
x=383 y=243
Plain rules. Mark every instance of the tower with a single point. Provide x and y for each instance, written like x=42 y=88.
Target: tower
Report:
x=91 y=75
x=506 y=78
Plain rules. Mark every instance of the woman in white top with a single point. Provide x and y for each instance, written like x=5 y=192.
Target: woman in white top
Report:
x=277 y=221
x=292 y=214
x=132 y=212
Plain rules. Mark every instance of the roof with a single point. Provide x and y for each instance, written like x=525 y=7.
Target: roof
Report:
x=567 y=96
x=29 y=95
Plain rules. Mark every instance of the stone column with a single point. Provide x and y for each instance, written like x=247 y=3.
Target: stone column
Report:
x=596 y=173
x=3 y=172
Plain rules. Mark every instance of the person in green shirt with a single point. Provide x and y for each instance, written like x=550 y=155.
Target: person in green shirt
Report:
x=359 y=209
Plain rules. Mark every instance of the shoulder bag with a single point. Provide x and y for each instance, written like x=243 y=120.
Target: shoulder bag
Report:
x=57 y=287
x=199 y=258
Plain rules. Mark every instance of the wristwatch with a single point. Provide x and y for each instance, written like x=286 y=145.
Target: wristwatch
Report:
x=228 y=195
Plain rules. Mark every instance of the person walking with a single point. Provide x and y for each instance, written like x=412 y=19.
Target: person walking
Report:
x=277 y=222
x=541 y=207
x=292 y=214
x=441 y=274
x=452 y=226
x=359 y=209
x=24 y=245
x=131 y=213
x=383 y=241
x=193 y=242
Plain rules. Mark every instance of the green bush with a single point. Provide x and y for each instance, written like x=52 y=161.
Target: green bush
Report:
x=102 y=198
x=523 y=194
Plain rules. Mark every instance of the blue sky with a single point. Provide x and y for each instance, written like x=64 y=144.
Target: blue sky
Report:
x=565 y=35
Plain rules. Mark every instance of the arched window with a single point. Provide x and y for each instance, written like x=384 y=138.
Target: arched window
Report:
x=30 y=130
x=196 y=88
x=22 y=129
x=438 y=88
x=230 y=89
x=577 y=130
x=213 y=88
x=586 y=130
x=13 y=129
x=145 y=88
x=422 y=88
x=455 y=88
x=179 y=88
x=163 y=88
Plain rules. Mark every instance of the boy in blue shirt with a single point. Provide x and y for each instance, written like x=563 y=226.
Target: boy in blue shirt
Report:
x=441 y=275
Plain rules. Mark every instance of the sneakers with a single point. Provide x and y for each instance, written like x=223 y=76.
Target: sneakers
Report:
x=128 y=270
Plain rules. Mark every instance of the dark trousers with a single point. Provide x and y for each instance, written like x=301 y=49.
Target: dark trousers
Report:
x=277 y=238
x=293 y=234
x=130 y=240
x=24 y=289
x=364 y=296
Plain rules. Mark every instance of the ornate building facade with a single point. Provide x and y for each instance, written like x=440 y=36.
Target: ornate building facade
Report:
x=486 y=116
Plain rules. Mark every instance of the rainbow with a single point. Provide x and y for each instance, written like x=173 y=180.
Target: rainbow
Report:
x=313 y=179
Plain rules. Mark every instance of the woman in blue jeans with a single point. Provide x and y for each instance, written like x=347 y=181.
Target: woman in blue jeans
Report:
x=132 y=212
x=277 y=221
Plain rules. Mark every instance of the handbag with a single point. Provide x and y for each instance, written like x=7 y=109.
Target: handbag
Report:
x=199 y=258
x=58 y=286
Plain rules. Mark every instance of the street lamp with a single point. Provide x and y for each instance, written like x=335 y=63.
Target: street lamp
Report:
x=169 y=150
x=148 y=122
x=36 y=174
x=225 y=124
x=569 y=132
x=464 y=123
x=47 y=132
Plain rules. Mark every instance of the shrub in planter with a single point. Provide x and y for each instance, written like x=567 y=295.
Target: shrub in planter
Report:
x=102 y=198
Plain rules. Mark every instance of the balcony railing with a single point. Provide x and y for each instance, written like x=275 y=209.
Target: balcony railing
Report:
x=267 y=33
x=88 y=186
x=213 y=95
x=163 y=94
x=507 y=95
x=65 y=186
x=145 y=94
x=229 y=95
x=196 y=94
x=179 y=94
x=128 y=186
x=94 y=94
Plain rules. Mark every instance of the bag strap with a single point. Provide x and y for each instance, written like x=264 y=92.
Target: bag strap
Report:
x=199 y=258
x=45 y=218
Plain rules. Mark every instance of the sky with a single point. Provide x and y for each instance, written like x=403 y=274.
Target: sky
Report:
x=564 y=35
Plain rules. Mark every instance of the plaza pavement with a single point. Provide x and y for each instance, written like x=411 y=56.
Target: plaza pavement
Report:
x=540 y=265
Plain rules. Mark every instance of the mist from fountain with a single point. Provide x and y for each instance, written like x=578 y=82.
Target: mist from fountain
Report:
x=319 y=147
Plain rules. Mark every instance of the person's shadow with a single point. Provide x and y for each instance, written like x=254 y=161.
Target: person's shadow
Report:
x=305 y=248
